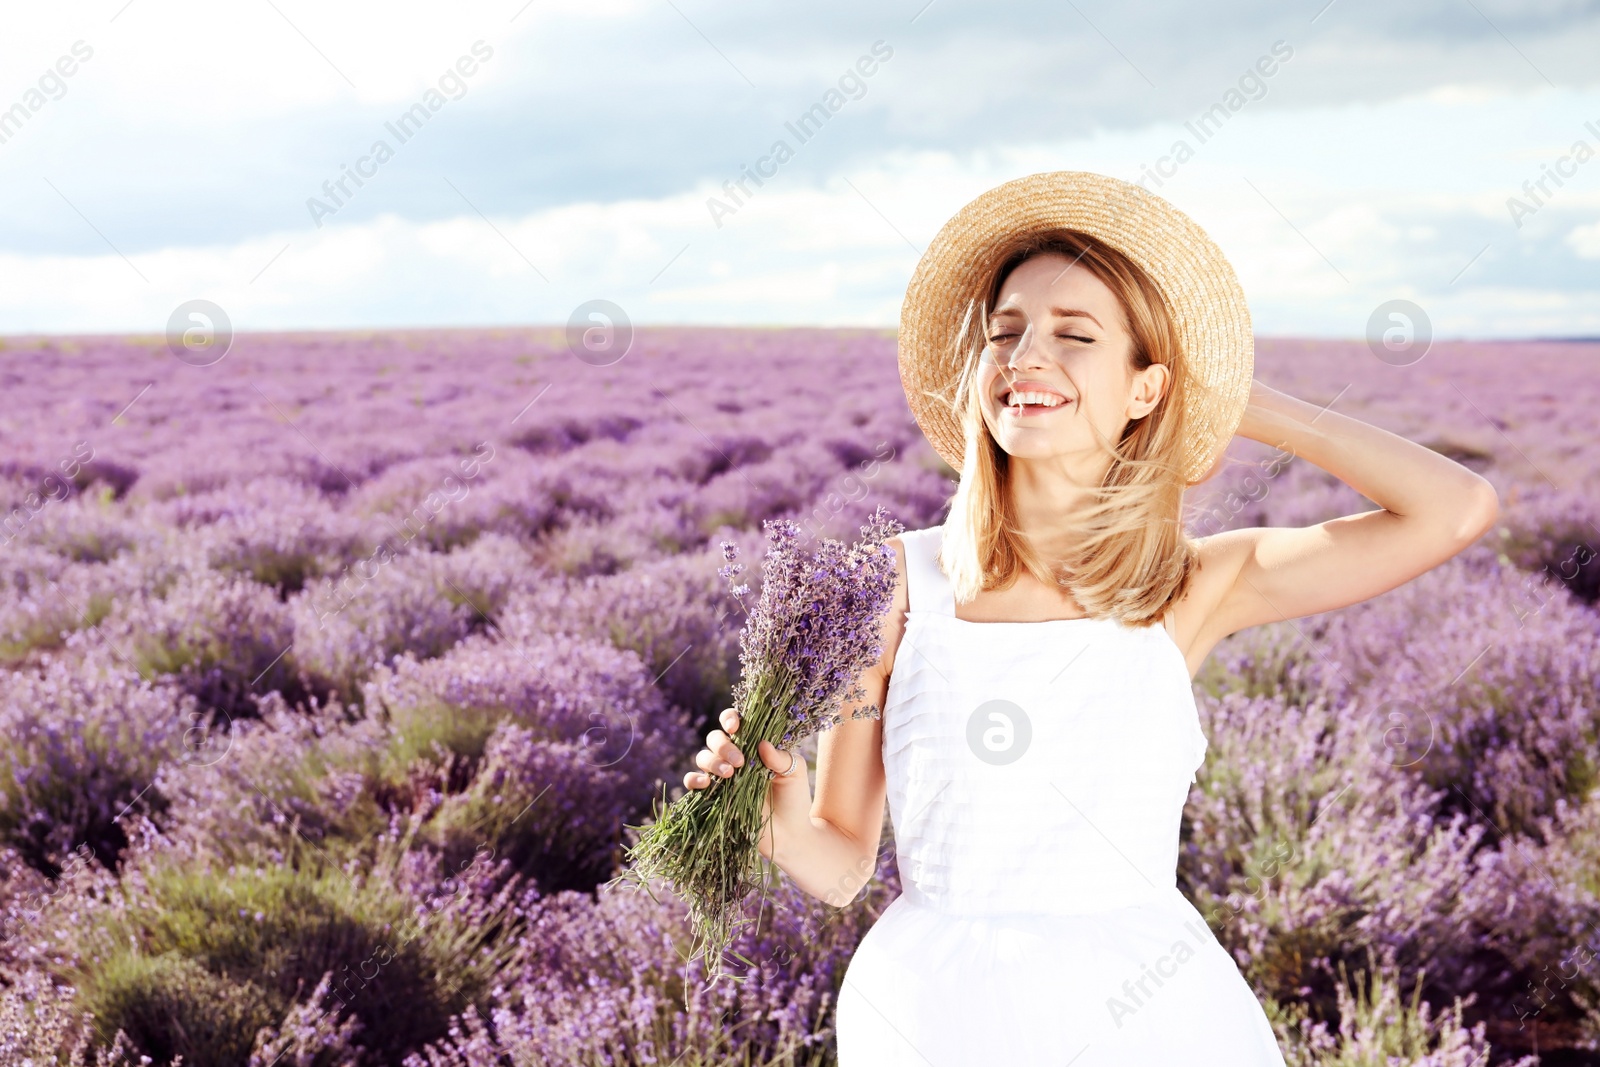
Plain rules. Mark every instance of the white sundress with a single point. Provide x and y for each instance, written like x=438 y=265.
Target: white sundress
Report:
x=1037 y=774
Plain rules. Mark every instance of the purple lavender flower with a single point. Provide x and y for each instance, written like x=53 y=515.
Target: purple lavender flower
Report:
x=815 y=629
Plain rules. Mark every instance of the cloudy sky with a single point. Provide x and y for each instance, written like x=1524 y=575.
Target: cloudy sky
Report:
x=560 y=152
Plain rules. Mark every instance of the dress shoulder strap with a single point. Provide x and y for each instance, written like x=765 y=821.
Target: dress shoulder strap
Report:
x=927 y=588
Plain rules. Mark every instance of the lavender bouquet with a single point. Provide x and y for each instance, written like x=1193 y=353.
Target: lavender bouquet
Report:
x=815 y=629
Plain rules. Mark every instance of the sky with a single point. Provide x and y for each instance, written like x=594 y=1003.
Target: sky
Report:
x=259 y=155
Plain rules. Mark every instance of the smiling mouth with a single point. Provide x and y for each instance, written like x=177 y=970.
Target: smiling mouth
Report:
x=1023 y=410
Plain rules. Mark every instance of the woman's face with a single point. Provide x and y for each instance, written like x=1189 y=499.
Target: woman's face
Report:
x=1058 y=330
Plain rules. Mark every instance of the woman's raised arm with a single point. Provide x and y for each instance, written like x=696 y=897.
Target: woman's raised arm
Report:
x=1431 y=509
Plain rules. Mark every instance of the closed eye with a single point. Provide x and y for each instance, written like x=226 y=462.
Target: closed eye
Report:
x=1000 y=338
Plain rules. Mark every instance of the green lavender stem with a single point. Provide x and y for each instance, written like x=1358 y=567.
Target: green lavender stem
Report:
x=706 y=844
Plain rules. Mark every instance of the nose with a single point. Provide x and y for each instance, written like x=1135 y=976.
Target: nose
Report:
x=1024 y=353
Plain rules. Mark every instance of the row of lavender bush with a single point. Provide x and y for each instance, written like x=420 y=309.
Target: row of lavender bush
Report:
x=334 y=672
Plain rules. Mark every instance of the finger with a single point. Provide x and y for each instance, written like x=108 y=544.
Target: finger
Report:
x=719 y=743
x=712 y=763
x=778 y=760
x=696 y=780
x=729 y=720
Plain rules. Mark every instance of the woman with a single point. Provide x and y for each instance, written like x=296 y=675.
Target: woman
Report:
x=1081 y=352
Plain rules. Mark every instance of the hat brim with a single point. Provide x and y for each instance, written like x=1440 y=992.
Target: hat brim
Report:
x=1212 y=319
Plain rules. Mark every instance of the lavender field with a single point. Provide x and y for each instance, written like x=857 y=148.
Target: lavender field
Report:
x=331 y=673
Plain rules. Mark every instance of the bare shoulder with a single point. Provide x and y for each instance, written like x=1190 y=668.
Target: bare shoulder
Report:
x=1195 y=615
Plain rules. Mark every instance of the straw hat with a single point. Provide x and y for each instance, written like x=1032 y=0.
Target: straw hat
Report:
x=1208 y=305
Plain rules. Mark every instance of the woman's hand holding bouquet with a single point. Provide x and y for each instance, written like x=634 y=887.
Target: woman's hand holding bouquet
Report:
x=814 y=630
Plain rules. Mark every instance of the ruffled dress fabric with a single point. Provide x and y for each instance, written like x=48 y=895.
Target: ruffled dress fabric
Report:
x=1037 y=774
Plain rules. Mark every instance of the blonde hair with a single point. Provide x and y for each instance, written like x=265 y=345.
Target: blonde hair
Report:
x=1129 y=557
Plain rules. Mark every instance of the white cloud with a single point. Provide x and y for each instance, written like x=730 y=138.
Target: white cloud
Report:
x=200 y=62
x=1400 y=191
x=795 y=253
x=1585 y=240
